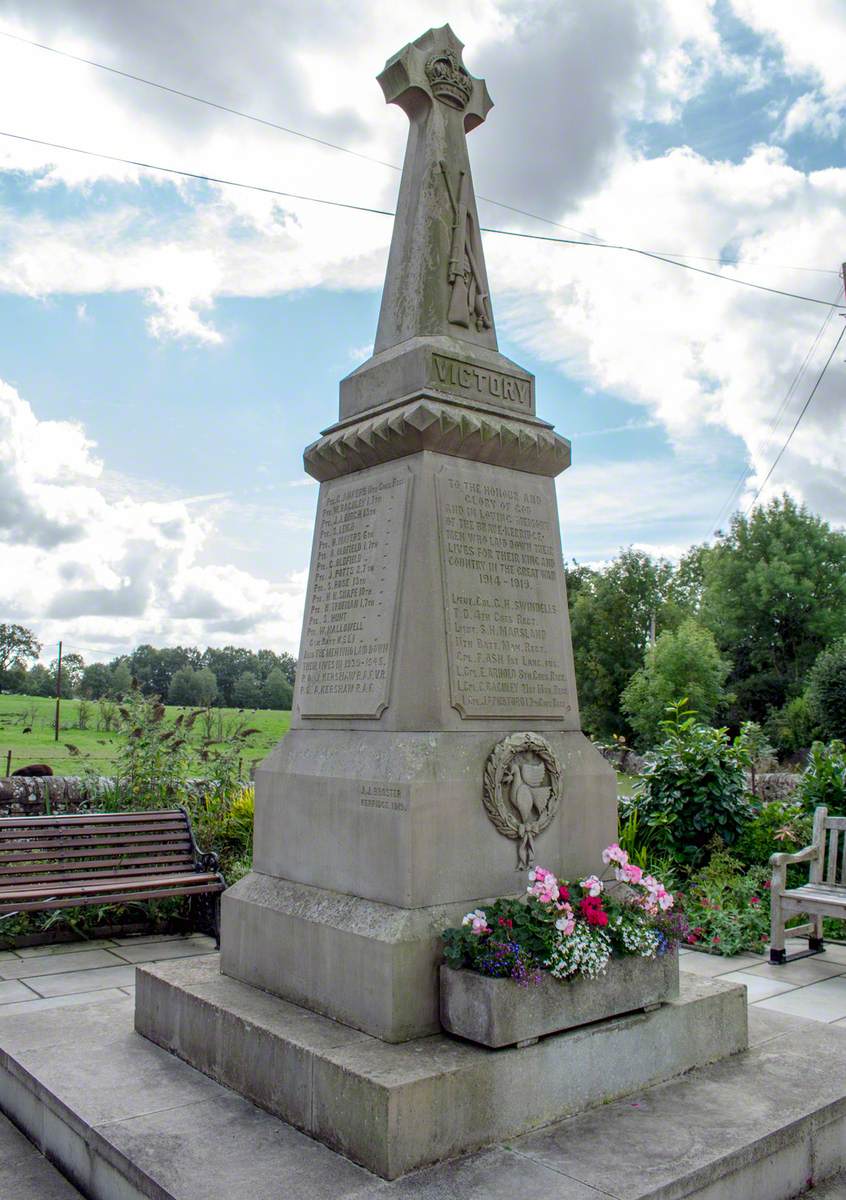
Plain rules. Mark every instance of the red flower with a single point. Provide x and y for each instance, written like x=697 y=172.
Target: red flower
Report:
x=563 y=893
x=755 y=900
x=714 y=940
x=592 y=910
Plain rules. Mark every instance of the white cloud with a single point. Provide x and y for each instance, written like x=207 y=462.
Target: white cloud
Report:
x=86 y=566
x=811 y=37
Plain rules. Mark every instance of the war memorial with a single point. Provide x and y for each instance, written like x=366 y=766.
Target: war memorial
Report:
x=435 y=752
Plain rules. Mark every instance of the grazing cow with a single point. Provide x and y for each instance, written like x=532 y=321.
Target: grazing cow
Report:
x=34 y=770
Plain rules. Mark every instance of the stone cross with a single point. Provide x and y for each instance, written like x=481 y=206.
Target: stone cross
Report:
x=436 y=283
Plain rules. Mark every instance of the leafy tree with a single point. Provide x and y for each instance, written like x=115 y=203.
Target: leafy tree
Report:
x=774 y=596
x=824 y=778
x=73 y=667
x=228 y=664
x=154 y=669
x=39 y=681
x=17 y=646
x=684 y=662
x=192 y=687
x=827 y=691
x=247 y=690
x=611 y=615
x=792 y=728
x=276 y=691
x=96 y=681
x=121 y=680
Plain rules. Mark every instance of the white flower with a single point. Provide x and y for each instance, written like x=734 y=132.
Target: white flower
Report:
x=592 y=885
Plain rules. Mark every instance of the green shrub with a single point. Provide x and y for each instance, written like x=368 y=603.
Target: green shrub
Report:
x=728 y=906
x=824 y=778
x=792 y=728
x=691 y=790
x=827 y=691
x=782 y=825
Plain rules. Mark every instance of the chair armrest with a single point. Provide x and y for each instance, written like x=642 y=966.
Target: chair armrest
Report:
x=782 y=859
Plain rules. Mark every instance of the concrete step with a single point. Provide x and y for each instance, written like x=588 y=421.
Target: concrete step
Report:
x=25 y=1174
x=124 y=1119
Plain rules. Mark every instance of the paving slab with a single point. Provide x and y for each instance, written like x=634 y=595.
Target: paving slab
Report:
x=823 y=1001
x=75 y=947
x=158 y=951
x=68 y=982
x=765 y=1024
x=710 y=965
x=756 y=987
x=54 y=964
x=40 y=1004
x=12 y=990
x=806 y=970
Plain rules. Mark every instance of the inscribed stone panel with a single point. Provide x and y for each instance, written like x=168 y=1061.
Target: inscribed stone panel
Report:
x=348 y=636
x=503 y=594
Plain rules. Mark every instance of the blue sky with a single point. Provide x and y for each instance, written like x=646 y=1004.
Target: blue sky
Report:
x=168 y=349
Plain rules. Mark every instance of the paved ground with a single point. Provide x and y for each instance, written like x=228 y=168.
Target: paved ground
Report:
x=812 y=987
x=48 y=977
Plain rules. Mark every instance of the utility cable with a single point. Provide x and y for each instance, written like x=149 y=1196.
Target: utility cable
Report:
x=535 y=237
x=805 y=408
x=729 y=503
x=357 y=153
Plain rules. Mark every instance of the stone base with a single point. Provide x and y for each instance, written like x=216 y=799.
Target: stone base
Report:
x=372 y=966
x=394 y=1108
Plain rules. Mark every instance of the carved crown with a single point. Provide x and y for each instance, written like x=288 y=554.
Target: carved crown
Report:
x=449 y=79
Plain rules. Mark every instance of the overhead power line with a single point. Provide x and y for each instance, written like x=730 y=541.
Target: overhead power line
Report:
x=360 y=154
x=733 y=495
x=805 y=408
x=382 y=212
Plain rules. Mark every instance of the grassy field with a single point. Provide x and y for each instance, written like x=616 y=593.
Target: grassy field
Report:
x=95 y=747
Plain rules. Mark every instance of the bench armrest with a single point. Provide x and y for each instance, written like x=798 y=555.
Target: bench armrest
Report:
x=782 y=859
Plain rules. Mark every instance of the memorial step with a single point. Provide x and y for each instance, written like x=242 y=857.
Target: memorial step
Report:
x=123 y=1118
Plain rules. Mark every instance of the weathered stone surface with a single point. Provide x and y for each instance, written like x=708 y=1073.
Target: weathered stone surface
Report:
x=400 y=818
x=498 y=1012
x=393 y=1108
x=443 y=368
x=429 y=424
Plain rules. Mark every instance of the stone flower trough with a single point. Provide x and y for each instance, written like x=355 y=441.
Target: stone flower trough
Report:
x=499 y=1012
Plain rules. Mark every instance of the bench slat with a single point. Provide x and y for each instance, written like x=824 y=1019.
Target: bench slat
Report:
x=25 y=887
x=125 y=829
x=107 y=897
x=161 y=862
x=82 y=873
x=831 y=863
x=153 y=814
x=175 y=839
x=835 y=823
x=83 y=889
x=151 y=852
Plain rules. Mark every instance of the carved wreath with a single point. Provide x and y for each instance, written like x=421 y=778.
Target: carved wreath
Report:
x=521 y=803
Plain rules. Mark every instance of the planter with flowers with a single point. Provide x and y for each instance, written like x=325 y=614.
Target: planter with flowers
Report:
x=566 y=954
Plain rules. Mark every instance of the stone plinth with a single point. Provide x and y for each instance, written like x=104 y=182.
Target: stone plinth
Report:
x=499 y=1012
x=395 y=1108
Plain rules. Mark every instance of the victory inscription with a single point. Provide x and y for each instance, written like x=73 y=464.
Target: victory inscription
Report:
x=349 y=627
x=503 y=600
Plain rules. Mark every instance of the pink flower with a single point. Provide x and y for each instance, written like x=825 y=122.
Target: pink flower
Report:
x=755 y=900
x=478 y=921
x=543 y=885
x=592 y=885
x=631 y=873
x=613 y=854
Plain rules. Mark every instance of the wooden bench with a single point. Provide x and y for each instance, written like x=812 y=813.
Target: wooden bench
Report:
x=75 y=860
x=819 y=897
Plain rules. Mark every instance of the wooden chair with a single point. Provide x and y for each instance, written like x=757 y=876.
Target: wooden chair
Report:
x=75 y=860
x=819 y=897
